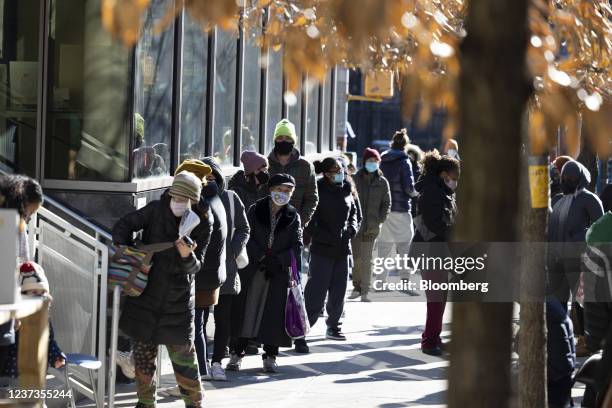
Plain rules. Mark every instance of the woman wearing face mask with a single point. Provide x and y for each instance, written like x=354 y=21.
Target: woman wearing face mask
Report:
x=163 y=313
x=332 y=227
x=276 y=237
x=251 y=184
x=436 y=215
x=375 y=199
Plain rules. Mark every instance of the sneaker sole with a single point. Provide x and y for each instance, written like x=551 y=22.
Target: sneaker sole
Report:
x=335 y=338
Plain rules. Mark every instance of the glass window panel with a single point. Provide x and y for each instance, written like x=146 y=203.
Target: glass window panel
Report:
x=251 y=93
x=274 y=96
x=312 y=119
x=225 y=97
x=294 y=114
x=153 y=95
x=195 y=77
x=341 y=107
x=326 y=105
x=19 y=85
x=87 y=136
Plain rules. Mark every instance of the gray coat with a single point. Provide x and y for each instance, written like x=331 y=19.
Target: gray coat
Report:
x=235 y=242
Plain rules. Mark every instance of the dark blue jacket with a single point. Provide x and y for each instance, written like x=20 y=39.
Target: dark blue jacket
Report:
x=560 y=342
x=397 y=169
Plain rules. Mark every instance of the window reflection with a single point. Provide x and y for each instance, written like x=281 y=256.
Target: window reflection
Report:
x=341 y=107
x=153 y=95
x=274 y=96
x=225 y=97
x=326 y=106
x=19 y=85
x=312 y=119
x=194 y=89
x=86 y=123
x=251 y=93
x=294 y=114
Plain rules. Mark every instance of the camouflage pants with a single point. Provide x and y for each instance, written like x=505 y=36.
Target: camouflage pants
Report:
x=185 y=365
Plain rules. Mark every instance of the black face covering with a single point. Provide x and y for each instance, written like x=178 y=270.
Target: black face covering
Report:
x=211 y=189
x=569 y=185
x=262 y=177
x=283 y=148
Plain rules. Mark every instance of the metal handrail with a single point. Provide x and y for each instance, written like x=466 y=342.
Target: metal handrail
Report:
x=95 y=239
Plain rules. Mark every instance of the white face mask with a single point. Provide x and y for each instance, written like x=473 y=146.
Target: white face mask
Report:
x=178 y=209
x=453 y=153
x=279 y=198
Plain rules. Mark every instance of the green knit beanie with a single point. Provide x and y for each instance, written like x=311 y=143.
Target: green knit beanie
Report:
x=285 y=128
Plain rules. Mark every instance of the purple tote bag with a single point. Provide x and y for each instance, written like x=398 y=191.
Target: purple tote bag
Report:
x=296 y=319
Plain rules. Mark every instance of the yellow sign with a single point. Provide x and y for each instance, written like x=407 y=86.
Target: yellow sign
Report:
x=538 y=185
x=379 y=84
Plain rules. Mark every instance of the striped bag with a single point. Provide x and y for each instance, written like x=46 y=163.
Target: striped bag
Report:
x=129 y=267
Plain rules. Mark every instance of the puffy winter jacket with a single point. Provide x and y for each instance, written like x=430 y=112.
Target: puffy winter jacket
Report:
x=397 y=169
x=335 y=222
x=436 y=208
x=163 y=313
x=213 y=270
x=237 y=236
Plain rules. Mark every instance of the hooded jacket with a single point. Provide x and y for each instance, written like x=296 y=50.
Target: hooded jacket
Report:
x=375 y=200
x=436 y=207
x=163 y=313
x=305 y=196
x=397 y=169
x=213 y=272
x=246 y=189
x=335 y=221
x=574 y=212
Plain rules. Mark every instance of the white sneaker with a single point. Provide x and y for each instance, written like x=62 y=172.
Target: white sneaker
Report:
x=269 y=365
x=354 y=294
x=234 y=363
x=207 y=376
x=126 y=362
x=217 y=372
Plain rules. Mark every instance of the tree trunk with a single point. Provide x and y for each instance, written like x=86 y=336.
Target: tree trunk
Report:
x=493 y=93
x=532 y=339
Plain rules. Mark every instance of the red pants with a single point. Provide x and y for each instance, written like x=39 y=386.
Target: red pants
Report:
x=436 y=303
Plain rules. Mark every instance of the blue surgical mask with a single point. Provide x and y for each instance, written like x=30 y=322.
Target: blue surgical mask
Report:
x=339 y=178
x=279 y=198
x=371 y=167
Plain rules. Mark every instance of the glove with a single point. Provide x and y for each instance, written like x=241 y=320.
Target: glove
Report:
x=271 y=266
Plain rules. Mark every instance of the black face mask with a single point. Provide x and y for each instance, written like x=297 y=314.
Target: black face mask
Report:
x=569 y=186
x=262 y=177
x=211 y=189
x=283 y=148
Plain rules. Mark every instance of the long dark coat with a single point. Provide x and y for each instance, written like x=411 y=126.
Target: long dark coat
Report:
x=287 y=238
x=163 y=313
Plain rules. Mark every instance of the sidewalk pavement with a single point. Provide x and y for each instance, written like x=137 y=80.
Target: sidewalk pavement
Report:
x=380 y=365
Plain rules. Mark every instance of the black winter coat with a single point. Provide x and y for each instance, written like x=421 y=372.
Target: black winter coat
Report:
x=287 y=238
x=436 y=207
x=163 y=313
x=335 y=221
x=246 y=189
x=213 y=273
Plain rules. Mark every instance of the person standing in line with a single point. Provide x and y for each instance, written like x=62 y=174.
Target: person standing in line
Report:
x=375 y=199
x=214 y=273
x=397 y=230
x=416 y=156
x=572 y=215
x=227 y=313
x=285 y=158
x=251 y=184
x=164 y=312
x=276 y=238
x=331 y=229
x=436 y=211
x=451 y=149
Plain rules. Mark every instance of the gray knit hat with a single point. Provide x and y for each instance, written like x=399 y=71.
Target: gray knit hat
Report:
x=186 y=185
